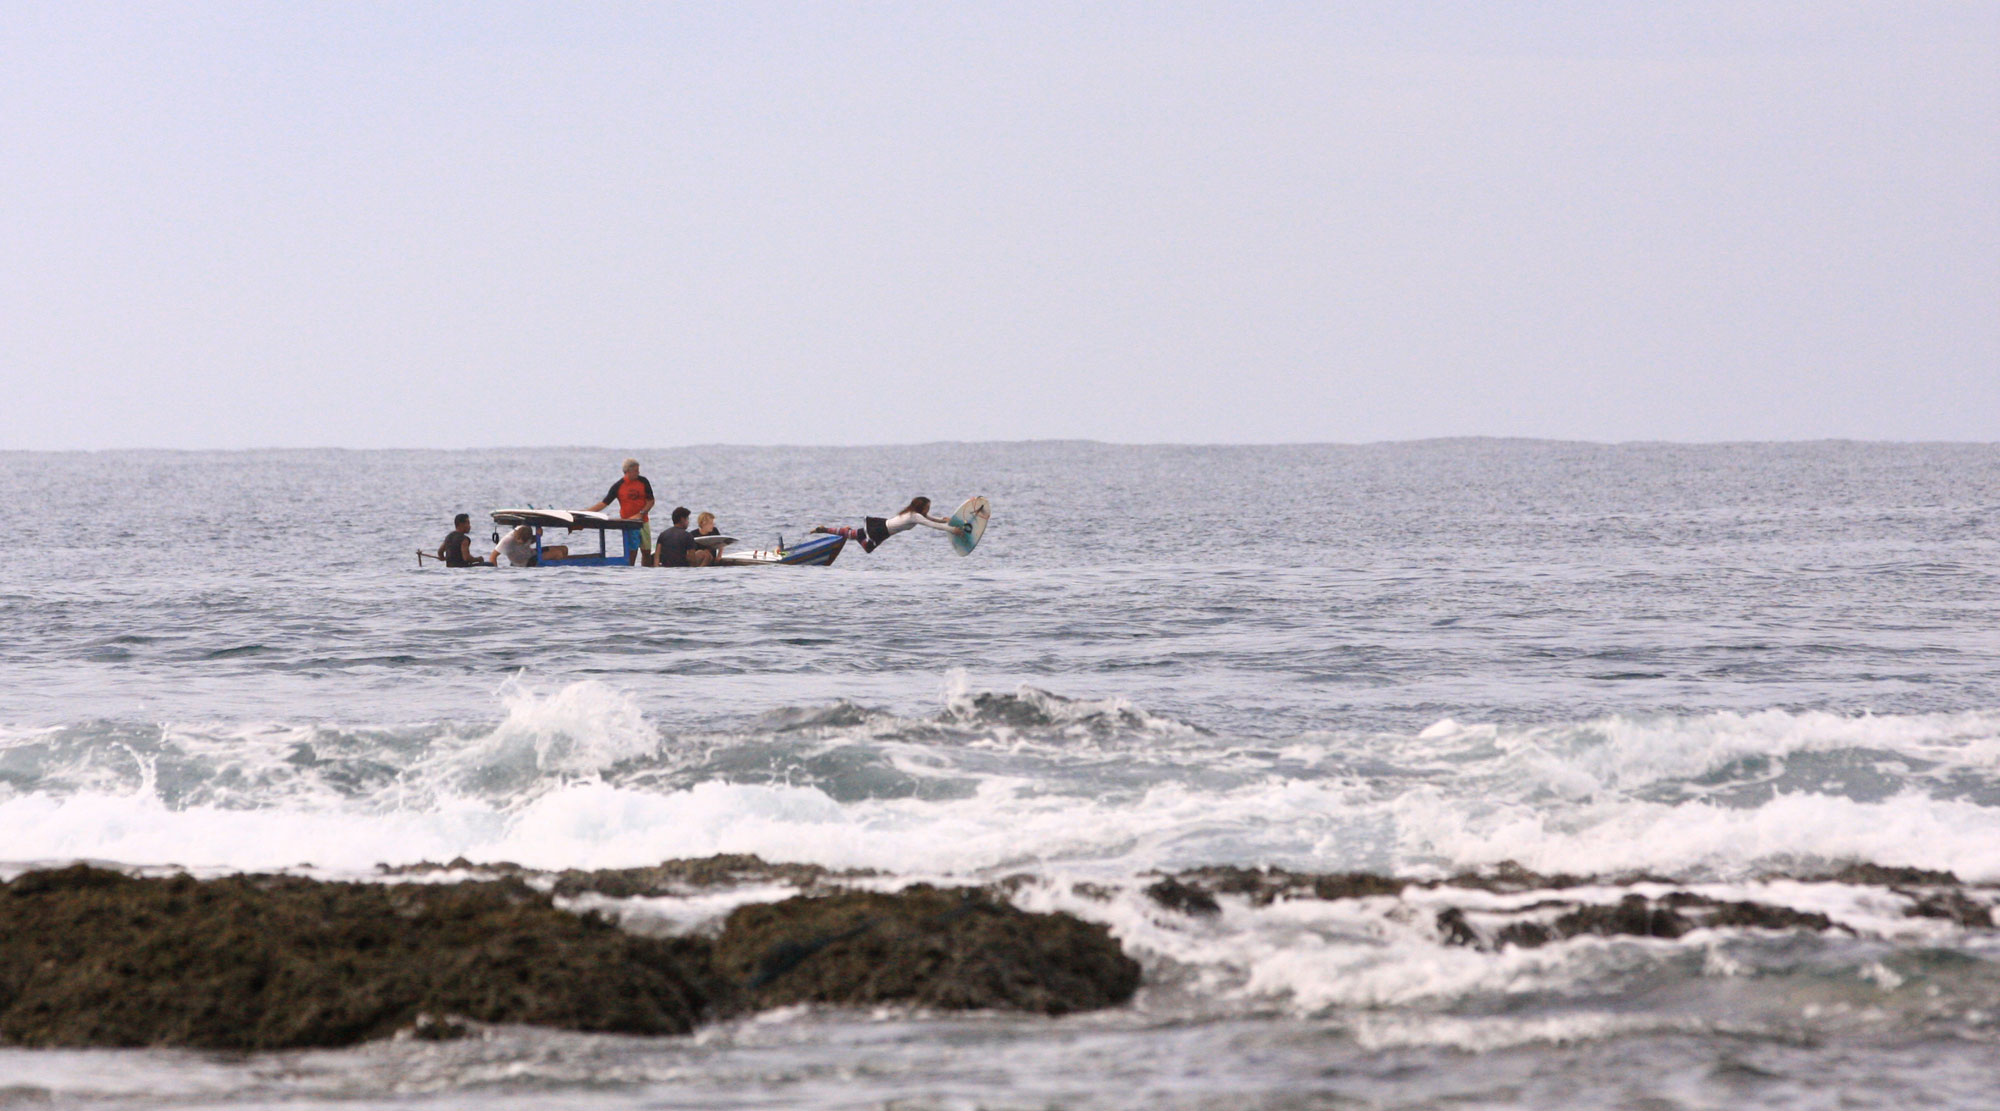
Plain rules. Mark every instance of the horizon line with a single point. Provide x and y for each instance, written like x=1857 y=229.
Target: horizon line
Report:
x=1038 y=442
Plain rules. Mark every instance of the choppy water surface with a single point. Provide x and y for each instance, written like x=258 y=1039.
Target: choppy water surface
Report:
x=1713 y=664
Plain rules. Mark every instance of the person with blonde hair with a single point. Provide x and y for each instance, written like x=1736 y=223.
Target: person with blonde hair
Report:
x=704 y=525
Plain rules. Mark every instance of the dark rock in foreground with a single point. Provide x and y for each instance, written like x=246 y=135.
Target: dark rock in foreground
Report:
x=949 y=949
x=95 y=957
x=90 y=956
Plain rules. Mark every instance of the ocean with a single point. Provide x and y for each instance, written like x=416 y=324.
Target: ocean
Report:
x=1731 y=670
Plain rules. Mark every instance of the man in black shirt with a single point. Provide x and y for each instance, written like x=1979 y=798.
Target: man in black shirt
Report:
x=677 y=542
x=456 y=551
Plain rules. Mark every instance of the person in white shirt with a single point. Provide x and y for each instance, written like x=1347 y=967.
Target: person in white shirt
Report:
x=874 y=530
x=518 y=548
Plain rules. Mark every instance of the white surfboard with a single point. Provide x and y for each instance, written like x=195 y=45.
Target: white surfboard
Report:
x=972 y=516
x=715 y=543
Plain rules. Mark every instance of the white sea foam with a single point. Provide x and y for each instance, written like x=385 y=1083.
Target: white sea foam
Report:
x=1631 y=835
x=583 y=727
x=1626 y=752
x=543 y=786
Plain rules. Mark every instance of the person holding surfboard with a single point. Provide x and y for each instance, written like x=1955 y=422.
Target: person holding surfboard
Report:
x=634 y=495
x=677 y=546
x=703 y=555
x=875 y=530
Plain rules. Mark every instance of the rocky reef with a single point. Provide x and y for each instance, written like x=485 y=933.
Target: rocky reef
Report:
x=90 y=956
x=1557 y=916
x=96 y=957
x=947 y=949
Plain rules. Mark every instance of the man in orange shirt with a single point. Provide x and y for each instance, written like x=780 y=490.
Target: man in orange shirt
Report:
x=634 y=496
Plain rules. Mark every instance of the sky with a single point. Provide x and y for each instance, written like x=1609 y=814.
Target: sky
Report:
x=452 y=225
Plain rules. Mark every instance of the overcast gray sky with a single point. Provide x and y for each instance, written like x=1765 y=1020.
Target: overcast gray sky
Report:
x=237 y=225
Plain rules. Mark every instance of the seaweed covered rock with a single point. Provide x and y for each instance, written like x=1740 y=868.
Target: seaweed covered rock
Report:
x=1187 y=898
x=674 y=877
x=949 y=949
x=95 y=957
x=1264 y=886
x=1678 y=913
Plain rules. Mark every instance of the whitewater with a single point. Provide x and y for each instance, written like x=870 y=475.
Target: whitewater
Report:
x=1737 y=671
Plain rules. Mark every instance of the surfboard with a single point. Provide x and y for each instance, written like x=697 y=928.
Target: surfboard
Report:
x=715 y=543
x=972 y=515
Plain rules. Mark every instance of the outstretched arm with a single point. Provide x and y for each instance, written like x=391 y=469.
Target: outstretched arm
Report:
x=610 y=496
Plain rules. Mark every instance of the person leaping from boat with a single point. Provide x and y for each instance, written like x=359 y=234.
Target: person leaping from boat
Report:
x=874 y=530
x=634 y=495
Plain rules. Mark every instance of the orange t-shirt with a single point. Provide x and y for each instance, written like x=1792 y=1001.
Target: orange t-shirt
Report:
x=630 y=494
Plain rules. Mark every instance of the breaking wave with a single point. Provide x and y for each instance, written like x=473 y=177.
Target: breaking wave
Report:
x=579 y=776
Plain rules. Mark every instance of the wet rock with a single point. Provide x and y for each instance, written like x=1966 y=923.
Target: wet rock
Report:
x=94 y=957
x=456 y=864
x=1950 y=904
x=1013 y=884
x=1456 y=930
x=676 y=877
x=930 y=947
x=669 y=877
x=1263 y=886
x=1881 y=875
x=1672 y=916
x=1510 y=878
x=1633 y=916
x=435 y=1028
x=1722 y=915
x=1184 y=897
x=1354 y=885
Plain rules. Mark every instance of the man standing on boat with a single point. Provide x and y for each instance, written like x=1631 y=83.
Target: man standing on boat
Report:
x=634 y=496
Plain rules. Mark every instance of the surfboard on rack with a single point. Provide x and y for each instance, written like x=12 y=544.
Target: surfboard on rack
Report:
x=972 y=517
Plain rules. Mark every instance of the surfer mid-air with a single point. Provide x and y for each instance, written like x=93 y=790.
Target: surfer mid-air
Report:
x=965 y=526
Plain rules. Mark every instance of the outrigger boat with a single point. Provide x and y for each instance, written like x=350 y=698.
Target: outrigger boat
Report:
x=576 y=520
x=819 y=551
x=815 y=552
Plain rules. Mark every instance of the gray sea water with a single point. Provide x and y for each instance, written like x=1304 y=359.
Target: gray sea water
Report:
x=1724 y=665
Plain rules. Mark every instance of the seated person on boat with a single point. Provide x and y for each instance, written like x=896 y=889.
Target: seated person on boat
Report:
x=456 y=550
x=518 y=548
x=677 y=547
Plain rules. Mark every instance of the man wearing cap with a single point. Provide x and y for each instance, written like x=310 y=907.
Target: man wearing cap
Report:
x=634 y=496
